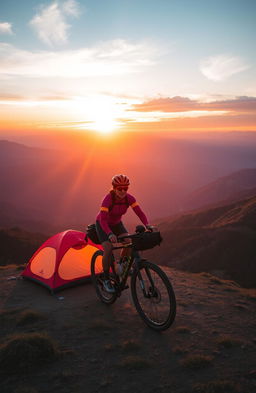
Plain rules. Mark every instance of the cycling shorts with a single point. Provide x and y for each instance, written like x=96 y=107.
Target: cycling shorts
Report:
x=117 y=229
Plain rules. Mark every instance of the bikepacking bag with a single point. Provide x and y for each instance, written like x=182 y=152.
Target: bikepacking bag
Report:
x=92 y=233
x=146 y=240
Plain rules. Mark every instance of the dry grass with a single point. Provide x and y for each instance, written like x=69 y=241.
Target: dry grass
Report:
x=23 y=351
x=216 y=387
x=133 y=362
x=179 y=350
x=99 y=325
x=129 y=345
x=28 y=317
x=196 y=362
x=251 y=297
x=228 y=342
x=182 y=330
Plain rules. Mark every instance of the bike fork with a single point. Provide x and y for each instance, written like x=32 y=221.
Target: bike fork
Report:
x=142 y=284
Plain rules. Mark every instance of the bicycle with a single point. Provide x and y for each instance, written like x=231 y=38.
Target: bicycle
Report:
x=151 y=290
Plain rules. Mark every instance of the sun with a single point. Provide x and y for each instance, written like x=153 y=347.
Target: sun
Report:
x=104 y=125
x=100 y=113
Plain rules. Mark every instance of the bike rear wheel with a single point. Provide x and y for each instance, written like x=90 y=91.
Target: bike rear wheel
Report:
x=153 y=296
x=97 y=280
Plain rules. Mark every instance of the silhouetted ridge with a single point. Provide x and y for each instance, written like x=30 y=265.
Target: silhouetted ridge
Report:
x=220 y=239
x=226 y=189
x=17 y=245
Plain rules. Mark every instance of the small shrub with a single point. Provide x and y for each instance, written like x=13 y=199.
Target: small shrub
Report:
x=228 y=342
x=23 y=351
x=216 y=280
x=231 y=289
x=251 y=297
x=196 y=362
x=216 y=387
x=134 y=363
x=241 y=307
x=29 y=316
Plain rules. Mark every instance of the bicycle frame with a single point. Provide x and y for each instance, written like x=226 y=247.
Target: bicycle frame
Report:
x=121 y=281
x=151 y=290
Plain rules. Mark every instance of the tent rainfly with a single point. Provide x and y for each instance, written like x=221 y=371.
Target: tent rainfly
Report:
x=63 y=260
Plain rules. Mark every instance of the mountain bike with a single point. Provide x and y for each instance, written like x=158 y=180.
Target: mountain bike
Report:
x=151 y=290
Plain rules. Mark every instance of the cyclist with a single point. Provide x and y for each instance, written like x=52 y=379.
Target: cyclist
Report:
x=109 y=224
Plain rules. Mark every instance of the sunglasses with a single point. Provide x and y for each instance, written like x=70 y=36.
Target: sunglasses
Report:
x=122 y=188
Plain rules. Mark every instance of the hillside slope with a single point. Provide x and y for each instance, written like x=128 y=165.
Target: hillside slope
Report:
x=17 y=246
x=231 y=188
x=220 y=239
x=210 y=348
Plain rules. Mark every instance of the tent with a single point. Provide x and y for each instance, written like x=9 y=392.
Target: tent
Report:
x=63 y=260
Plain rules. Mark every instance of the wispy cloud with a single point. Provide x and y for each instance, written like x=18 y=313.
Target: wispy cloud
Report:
x=51 y=24
x=116 y=57
x=184 y=104
x=218 y=68
x=6 y=28
x=71 y=7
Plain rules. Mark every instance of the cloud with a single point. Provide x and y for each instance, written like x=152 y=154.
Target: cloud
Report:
x=218 y=68
x=6 y=28
x=51 y=23
x=184 y=104
x=71 y=7
x=114 y=58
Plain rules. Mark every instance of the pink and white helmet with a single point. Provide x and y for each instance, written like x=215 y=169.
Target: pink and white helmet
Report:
x=120 y=180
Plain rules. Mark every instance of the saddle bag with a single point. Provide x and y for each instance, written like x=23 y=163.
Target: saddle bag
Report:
x=92 y=233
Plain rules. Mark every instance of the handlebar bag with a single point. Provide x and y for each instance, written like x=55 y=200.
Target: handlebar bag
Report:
x=146 y=240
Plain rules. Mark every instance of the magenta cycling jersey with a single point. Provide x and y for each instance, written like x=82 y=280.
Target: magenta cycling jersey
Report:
x=108 y=217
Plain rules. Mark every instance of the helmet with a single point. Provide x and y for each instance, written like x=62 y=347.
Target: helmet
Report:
x=120 y=180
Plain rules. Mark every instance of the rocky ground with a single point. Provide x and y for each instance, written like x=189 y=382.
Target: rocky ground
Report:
x=210 y=348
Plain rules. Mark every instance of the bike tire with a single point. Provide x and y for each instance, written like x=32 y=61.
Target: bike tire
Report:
x=157 y=305
x=97 y=279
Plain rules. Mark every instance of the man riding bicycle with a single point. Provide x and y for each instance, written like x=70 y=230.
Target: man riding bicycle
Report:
x=109 y=225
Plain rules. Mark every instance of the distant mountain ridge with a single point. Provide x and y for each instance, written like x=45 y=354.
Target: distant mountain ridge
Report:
x=221 y=239
x=234 y=187
x=17 y=245
x=64 y=188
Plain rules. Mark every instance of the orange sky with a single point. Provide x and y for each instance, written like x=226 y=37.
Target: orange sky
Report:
x=105 y=114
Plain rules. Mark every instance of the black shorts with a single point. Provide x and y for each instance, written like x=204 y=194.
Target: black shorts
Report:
x=117 y=229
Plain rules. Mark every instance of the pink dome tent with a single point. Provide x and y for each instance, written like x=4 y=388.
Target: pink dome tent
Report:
x=63 y=260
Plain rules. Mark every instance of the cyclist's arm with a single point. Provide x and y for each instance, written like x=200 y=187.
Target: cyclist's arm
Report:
x=103 y=215
x=137 y=210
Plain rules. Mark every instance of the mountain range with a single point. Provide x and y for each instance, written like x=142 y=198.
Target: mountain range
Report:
x=220 y=240
x=211 y=228
x=54 y=189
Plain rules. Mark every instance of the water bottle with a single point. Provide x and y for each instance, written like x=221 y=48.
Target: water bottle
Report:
x=121 y=265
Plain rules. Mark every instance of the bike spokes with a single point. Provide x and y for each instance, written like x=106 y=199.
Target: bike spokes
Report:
x=154 y=297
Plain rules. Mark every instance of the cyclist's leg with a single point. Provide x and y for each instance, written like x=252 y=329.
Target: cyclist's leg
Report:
x=106 y=259
x=120 y=231
x=107 y=255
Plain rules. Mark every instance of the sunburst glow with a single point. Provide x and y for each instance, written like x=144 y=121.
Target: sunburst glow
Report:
x=101 y=113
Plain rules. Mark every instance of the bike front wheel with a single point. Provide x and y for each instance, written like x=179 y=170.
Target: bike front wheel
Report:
x=153 y=296
x=97 y=280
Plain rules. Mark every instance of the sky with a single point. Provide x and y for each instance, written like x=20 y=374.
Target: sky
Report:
x=127 y=65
